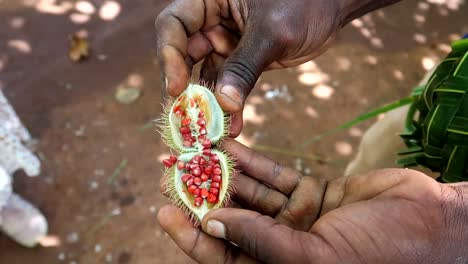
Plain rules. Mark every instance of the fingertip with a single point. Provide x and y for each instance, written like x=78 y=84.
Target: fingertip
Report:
x=175 y=86
x=233 y=147
x=165 y=214
x=175 y=71
x=215 y=214
x=230 y=99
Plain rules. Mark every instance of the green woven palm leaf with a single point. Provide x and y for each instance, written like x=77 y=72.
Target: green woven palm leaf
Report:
x=437 y=124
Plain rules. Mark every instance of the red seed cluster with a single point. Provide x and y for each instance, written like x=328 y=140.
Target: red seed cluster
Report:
x=186 y=131
x=202 y=174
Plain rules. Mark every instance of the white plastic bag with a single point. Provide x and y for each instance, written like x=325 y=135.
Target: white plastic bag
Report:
x=18 y=218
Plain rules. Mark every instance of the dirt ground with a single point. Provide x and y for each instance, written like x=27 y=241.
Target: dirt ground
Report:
x=99 y=186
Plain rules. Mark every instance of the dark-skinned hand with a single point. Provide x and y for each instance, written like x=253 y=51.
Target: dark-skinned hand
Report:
x=239 y=39
x=386 y=216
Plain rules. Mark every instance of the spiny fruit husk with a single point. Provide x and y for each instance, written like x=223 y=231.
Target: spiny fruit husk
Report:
x=189 y=104
x=199 y=179
x=179 y=191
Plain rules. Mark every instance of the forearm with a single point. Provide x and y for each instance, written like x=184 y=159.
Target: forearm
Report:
x=352 y=9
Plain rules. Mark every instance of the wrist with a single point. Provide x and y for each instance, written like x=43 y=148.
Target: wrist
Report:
x=455 y=211
x=352 y=9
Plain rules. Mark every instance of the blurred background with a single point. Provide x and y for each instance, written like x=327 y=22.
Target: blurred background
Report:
x=99 y=186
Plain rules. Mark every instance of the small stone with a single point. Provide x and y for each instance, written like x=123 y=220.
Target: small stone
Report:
x=73 y=238
x=93 y=185
x=153 y=209
x=99 y=172
x=127 y=95
x=80 y=132
x=116 y=212
x=108 y=258
x=102 y=57
x=61 y=256
x=97 y=248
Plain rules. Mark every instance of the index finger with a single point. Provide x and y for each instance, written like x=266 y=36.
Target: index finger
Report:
x=257 y=166
x=174 y=26
x=198 y=245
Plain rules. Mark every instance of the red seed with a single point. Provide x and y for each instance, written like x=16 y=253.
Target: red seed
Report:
x=204 y=193
x=201 y=138
x=196 y=171
x=204 y=177
x=208 y=170
x=168 y=163
x=202 y=162
x=201 y=114
x=214 y=191
x=192 y=189
x=197 y=181
x=196 y=193
x=177 y=109
x=187 y=166
x=193 y=166
x=214 y=158
x=202 y=131
x=197 y=158
x=215 y=185
x=187 y=137
x=180 y=165
x=212 y=198
x=216 y=178
x=188 y=144
x=185 y=130
x=186 y=177
x=206 y=151
x=173 y=158
x=201 y=122
x=206 y=143
x=189 y=182
x=186 y=121
x=198 y=201
x=217 y=171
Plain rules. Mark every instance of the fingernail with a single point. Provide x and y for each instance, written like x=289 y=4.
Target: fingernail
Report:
x=216 y=228
x=166 y=82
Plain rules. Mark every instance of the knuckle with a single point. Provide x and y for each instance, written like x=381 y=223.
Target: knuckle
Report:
x=284 y=29
x=243 y=69
x=277 y=169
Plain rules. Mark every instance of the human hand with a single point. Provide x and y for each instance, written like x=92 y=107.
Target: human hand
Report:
x=238 y=40
x=387 y=216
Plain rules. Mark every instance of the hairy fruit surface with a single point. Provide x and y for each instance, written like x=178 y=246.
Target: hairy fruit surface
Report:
x=199 y=178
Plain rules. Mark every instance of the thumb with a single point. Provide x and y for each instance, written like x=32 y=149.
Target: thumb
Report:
x=261 y=236
x=242 y=69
